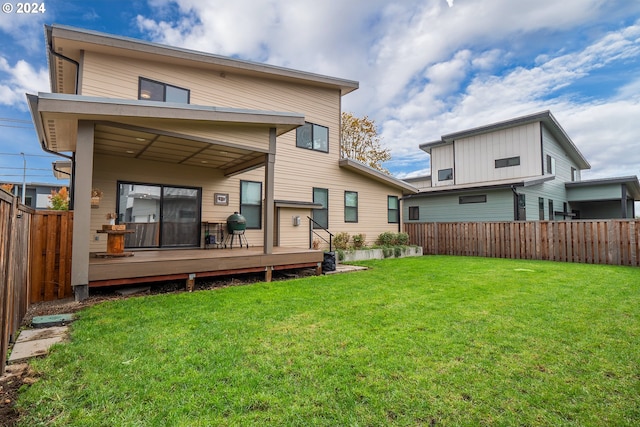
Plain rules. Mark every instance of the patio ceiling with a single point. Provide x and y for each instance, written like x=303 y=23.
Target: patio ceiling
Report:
x=163 y=132
x=146 y=144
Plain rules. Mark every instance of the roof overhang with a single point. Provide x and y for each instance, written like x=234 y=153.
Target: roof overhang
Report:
x=495 y=185
x=631 y=182
x=62 y=169
x=161 y=131
x=371 y=173
x=545 y=117
x=71 y=42
x=296 y=204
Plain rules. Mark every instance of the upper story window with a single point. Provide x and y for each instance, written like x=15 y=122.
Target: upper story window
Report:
x=445 y=174
x=313 y=137
x=151 y=90
x=509 y=161
x=574 y=174
x=550 y=165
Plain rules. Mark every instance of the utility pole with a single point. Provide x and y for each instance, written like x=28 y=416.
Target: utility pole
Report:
x=24 y=178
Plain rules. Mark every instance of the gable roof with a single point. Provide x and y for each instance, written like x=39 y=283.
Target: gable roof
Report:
x=66 y=43
x=545 y=117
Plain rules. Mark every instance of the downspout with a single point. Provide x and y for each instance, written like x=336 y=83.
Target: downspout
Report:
x=43 y=145
x=516 y=211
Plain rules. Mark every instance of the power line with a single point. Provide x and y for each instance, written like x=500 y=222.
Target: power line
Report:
x=29 y=169
x=30 y=155
x=6 y=119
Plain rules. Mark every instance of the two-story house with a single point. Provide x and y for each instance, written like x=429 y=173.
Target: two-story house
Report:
x=522 y=169
x=175 y=138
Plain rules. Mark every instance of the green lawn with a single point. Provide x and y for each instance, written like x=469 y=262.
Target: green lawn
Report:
x=444 y=341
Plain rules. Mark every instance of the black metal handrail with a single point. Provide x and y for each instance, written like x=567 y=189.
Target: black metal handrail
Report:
x=312 y=231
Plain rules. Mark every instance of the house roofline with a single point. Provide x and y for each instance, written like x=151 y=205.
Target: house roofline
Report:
x=527 y=182
x=631 y=182
x=368 y=171
x=544 y=117
x=142 y=46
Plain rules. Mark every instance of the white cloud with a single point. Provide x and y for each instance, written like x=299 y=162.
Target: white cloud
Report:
x=426 y=68
x=20 y=79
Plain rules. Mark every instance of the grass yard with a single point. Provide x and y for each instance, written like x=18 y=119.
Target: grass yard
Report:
x=433 y=341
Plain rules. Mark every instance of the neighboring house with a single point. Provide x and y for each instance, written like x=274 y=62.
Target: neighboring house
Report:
x=174 y=138
x=526 y=168
x=37 y=194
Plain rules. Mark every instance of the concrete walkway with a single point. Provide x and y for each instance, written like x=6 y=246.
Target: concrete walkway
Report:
x=36 y=342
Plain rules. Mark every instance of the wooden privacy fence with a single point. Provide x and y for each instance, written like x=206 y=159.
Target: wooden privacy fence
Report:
x=15 y=226
x=51 y=237
x=35 y=262
x=615 y=242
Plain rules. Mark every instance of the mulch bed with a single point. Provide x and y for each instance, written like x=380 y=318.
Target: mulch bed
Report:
x=21 y=374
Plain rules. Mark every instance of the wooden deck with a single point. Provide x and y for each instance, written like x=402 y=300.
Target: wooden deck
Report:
x=158 y=265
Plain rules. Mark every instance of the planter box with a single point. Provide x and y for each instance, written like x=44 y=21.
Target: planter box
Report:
x=365 y=254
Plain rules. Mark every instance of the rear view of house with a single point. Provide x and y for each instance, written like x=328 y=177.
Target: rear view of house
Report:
x=525 y=168
x=175 y=141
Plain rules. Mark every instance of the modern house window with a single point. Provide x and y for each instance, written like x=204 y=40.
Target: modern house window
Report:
x=479 y=198
x=161 y=215
x=313 y=137
x=550 y=165
x=251 y=203
x=574 y=174
x=541 y=208
x=507 y=162
x=445 y=174
x=321 y=216
x=551 y=214
x=350 y=206
x=151 y=90
x=414 y=213
x=393 y=211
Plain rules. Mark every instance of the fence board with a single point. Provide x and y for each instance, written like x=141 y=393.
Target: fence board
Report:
x=615 y=242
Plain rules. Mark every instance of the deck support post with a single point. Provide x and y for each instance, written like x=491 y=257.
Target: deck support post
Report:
x=268 y=274
x=319 y=269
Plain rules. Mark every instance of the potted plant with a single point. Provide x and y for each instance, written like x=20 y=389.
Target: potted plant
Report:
x=111 y=218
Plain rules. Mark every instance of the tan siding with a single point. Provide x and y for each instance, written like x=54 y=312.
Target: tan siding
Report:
x=296 y=236
x=475 y=156
x=297 y=170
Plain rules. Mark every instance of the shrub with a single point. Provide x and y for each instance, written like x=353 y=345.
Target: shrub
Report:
x=341 y=240
x=359 y=240
x=402 y=239
x=59 y=200
x=385 y=239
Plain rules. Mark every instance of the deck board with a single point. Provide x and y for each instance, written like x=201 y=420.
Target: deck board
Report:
x=155 y=265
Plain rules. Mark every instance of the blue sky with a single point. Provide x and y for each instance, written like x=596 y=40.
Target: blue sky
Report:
x=426 y=67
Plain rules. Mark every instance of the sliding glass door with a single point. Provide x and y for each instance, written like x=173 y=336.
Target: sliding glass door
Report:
x=161 y=215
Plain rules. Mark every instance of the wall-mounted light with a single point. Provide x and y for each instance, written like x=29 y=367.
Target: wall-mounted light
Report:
x=296 y=220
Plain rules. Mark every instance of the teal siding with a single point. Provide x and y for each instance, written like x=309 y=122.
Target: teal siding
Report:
x=596 y=192
x=446 y=208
